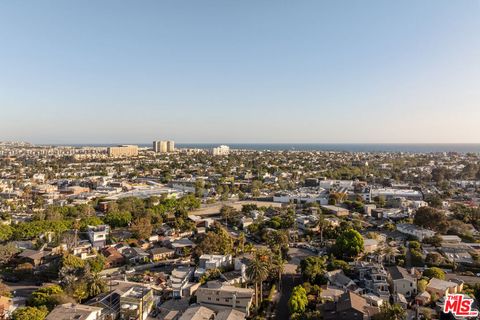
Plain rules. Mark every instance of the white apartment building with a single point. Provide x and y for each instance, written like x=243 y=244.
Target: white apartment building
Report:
x=98 y=235
x=214 y=261
x=415 y=231
x=221 y=151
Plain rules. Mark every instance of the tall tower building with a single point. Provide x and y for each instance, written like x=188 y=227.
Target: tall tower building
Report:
x=170 y=146
x=161 y=146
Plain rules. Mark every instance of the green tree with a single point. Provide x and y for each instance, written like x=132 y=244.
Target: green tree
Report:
x=431 y=218
x=257 y=271
x=349 y=244
x=7 y=251
x=6 y=232
x=391 y=312
x=422 y=285
x=227 y=213
x=95 y=285
x=118 y=219
x=313 y=269
x=298 y=300
x=46 y=296
x=97 y=264
x=30 y=313
x=434 y=272
x=142 y=227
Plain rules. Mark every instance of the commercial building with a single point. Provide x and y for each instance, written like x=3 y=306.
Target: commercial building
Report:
x=123 y=151
x=221 y=151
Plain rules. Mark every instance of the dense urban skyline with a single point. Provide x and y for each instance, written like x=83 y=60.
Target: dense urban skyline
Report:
x=249 y=71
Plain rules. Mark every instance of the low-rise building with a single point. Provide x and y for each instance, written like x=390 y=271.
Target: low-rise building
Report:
x=98 y=235
x=220 y=297
x=415 y=231
x=179 y=281
x=69 y=311
x=402 y=282
x=338 y=211
x=161 y=253
x=215 y=261
x=136 y=303
x=441 y=288
x=350 y=306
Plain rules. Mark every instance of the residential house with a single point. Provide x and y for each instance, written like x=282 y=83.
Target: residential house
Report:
x=136 y=303
x=179 y=281
x=441 y=288
x=230 y=314
x=338 y=211
x=182 y=245
x=220 y=297
x=34 y=257
x=69 y=311
x=198 y=313
x=415 y=231
x=215 y=261
x=338 y=279
x=373 y=278
x=350 y=306
x=402 y=282
x=161 y=253
x=98 y=235
x=114 y=259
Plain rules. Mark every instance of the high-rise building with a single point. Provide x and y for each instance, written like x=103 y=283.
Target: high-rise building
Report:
x=163 y=146
x=221 y=150
x=123 y=151
x=170 y=146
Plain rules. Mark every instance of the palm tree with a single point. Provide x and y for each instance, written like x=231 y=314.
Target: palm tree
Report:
x=278 y=265
x=95 y=285
x=257 y=272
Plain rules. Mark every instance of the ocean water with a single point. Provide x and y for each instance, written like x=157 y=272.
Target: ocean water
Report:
x=341 y=147
x=350 y=147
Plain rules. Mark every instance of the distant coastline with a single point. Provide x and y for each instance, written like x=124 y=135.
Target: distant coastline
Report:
x=339 y=147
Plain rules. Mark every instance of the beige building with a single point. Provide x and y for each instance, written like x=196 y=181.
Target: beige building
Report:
x=70 y=311
x=170 y=146
x=219 y=297
x=136 y=303
x=163 y=146
x=123 y=151
x=441 y=287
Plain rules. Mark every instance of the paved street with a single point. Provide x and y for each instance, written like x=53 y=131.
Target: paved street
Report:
x=290 y=279
x=22 y=288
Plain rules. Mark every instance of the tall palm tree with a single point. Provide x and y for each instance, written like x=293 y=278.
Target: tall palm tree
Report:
x=278 y=265
x=257 y=272
x=95 y=285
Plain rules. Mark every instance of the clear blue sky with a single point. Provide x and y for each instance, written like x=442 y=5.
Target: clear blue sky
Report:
x=240 y=71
